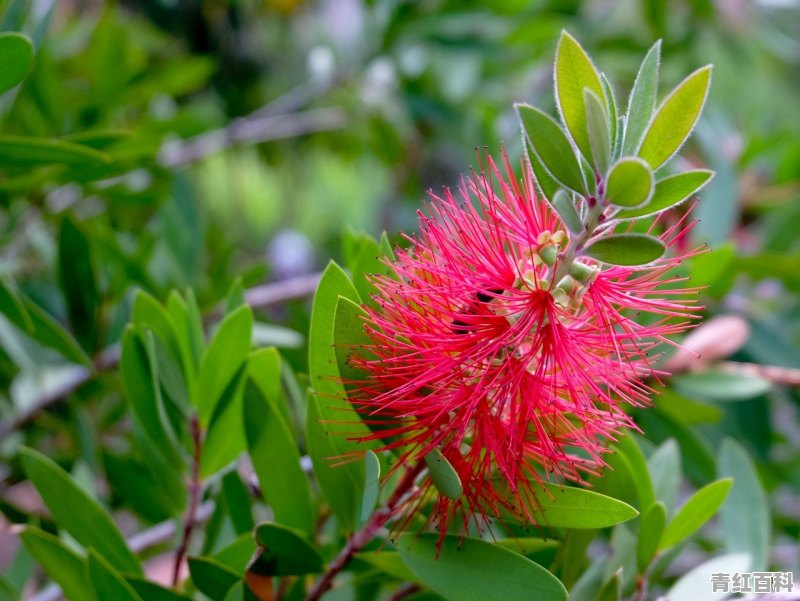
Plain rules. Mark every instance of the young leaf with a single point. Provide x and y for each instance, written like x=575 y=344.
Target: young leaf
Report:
x=613 y=114
x=61 y=563
x=562 y=203
x=651 y=528
x=642 y=100
x=597 y=126
x=670 y=192
x=630 y=183
x=466 y=569
x=745 y=515
x=574 y=71
x=288 y=553
x=78 y=513
x=443 y=474
x=627 y=249
x=372 y=483
x=106 y=581
x=211 y=577
x=676 y=118
x=16 y=56
x=551 y=146
x=700 y=508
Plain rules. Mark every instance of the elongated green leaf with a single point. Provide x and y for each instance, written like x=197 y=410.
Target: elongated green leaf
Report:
x=372 y=483
x=551 y=146
x=78 y=513
x=443 y=474
x=237 y=498
x=223 y=358
x=641 y=475
x=642 y=101
x=721 y=386
x=220 y=448
x=745 y=515
x=12 y=305
x=630 y=183
x=686 y=410
x=676 y=118
x=598 y=128
x=700 y=508
x=467 y=569
x=272 y=447
x=391 y=563
x=331 y=421
x=695 y=584
x=24 y=151
x=558 y=506
x=562 y=203
x=613 y=115
x=611 y=590
x=211 y=577
x=627 y=249
x=651 y=529
x=106 y=581
x=149 y=314
x=16 y=56
x=664 y=466
x=62 y=564
x=574 y=71
x=670 y=192
x=545 y=183
x=150 y=591
x=288 y=552
x=78 y=281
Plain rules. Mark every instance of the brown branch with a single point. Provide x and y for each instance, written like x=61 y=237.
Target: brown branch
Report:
x=367 y=532
x=195 y=487
x=773 y=373
x=405 y=591
x=257 y=297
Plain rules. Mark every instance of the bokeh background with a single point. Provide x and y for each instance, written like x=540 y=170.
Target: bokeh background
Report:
x=253 y=138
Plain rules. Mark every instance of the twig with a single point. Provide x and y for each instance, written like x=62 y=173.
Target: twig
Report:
x=195 y=486
x=404 y=591
x=367 y=533
x=773 y=373
x=641 y=589
x=252 y=129
x=257 y=297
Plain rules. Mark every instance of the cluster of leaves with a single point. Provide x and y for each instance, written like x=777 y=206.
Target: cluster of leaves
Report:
x=85 y=117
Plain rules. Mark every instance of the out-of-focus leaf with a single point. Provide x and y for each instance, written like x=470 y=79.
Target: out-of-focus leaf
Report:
x=630 y=183
x=91 y=526
x=16 y=56
x=575 y=72
x=137 y=485
x=745 y=515
x=670 y=192
x=13 y=307
x=78 y=281
x=700 y=508
x=391 y=563
x=675 y=118
x=62 y=564
x=223 y=358
x=150 y=591
x=686 y=410
x=696 y=584
x=21 y=151
x=211 y=577
x=721 y=386
x=651 y=528
x=611 y=590
x=551 y=146
x=642 y=100
x=664 y=466
x=237 y=499
x=465 y=569
x=272 y=447
x=238 y=553
x=106 y=581
x=698 y=459
x=641 y=475
x=220 y=447
x=286 y=552
x=626 y=249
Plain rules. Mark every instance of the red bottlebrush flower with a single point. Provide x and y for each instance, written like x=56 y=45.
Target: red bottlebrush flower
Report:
x=484 y=348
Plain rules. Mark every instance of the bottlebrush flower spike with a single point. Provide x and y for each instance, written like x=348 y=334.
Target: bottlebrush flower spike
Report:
x=514 y=375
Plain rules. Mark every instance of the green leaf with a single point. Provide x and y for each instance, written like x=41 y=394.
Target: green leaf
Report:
x=613 y=114
x=745 y=515
x=574 y=71
x=220 y=448
x=16 y=56
x=686 y=410
x=287 y=551
x=467 y=569
x=676 y=118
x=670 y=192
x=78 y=282
x=224 y=357
x=443 y=474
x=641 y=475
x=721 y=386
x=611 y=590
x=150 y=591
x=62 y=564
x=391 y=563
x=78 y=513
x=212 y=578
x=651 y=529
x=545 y=183
x=562 y=203
x=696 y=584
x=372 y=484
x=13 y=306
x=642 y=101
x=598 y=128
x=107 y=582
x=626 y=249
x=556 y=506
x=237 y=498
x=551 y=147
x=700 y=508
x=272 y=447
x=630 y=183
x=664 y=465
x=22 y=151
x=332 y=423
